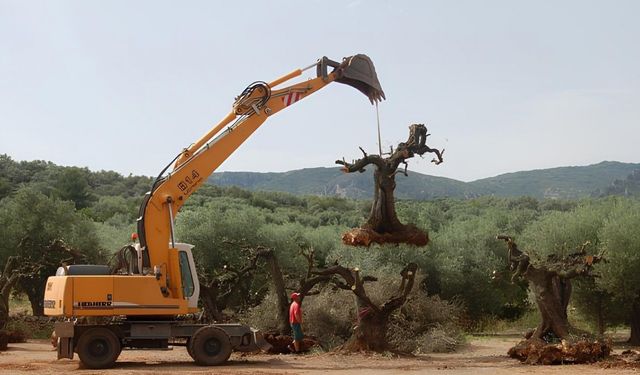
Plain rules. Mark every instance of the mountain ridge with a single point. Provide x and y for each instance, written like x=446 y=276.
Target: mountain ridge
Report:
x=567 y=182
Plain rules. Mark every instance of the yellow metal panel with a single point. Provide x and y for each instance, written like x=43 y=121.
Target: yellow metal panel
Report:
x=92 y=295
x=140 y=295
x=58 y=296
x=175 y=274
x=108 y=295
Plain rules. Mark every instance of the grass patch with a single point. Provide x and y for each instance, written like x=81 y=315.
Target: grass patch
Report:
x=529 y=320
x=19 y=305
x=493 y=326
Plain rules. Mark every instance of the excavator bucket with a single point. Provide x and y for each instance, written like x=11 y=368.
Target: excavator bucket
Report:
x=357 y=71
x=251 y=340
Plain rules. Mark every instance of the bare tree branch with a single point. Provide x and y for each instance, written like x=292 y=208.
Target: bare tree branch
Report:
x=408 y=278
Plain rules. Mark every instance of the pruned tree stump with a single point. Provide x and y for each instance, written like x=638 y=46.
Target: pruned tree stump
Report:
x=366 y=237
x=535 y=351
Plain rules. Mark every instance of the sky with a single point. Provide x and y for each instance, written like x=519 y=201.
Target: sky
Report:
x=502 y=86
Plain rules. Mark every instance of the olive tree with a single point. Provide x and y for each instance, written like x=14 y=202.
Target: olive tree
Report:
x=621 y=243
x=31 y=224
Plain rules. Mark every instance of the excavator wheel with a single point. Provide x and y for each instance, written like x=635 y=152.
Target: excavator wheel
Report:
x=190 y=348
x=210 y=346
x=99 y=348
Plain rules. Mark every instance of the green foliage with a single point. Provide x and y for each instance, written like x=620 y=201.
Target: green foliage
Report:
x=71 y=185
x=109 y=206
x=219 y=229
x=467 y=257
x=426 y=324
x=92 y=211
x=30 y=221
x=621 y=244
x=330 y=316
x=562 y=233
x=31 y=329
x=114 y=233
x=31 y=217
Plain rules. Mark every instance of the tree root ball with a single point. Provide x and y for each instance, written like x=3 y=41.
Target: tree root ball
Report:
x=366 y=237
x=538 y=352
x=280 y=343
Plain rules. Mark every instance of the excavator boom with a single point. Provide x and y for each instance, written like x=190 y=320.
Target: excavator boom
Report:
x=251 y=108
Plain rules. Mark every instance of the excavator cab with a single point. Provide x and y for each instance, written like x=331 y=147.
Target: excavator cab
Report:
x=356 y=71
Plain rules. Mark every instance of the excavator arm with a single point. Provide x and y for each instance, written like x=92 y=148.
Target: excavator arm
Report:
x=193 y=165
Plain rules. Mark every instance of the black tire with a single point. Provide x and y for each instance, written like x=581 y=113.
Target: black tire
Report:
x=210 y=346
x=98 y=348
x=190 y=348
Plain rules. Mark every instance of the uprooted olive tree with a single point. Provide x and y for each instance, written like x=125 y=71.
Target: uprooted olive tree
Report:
x=383 y=225
x=554 y=340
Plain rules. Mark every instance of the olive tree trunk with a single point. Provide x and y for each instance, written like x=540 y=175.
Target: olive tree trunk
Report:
x=8 y=280
x=634 y=322
x=552 y=294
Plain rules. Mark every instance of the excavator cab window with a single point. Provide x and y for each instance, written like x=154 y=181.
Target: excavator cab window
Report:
x=187 y=278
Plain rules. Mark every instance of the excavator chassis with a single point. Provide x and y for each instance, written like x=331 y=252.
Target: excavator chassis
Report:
x=99 y=345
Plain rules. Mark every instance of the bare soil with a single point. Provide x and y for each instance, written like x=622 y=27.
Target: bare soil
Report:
x=482 y=355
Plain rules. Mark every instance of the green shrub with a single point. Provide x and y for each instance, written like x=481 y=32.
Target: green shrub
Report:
x=426 y=324
x=29 y=328
x=330 y=316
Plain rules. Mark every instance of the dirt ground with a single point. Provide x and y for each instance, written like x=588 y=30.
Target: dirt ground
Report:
x=481 y=355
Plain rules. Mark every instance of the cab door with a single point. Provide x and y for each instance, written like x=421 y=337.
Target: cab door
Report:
x=188 y=274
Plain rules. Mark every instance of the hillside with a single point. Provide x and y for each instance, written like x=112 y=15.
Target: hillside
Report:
x=630 y=186
x=331 y=181
x=562 y=182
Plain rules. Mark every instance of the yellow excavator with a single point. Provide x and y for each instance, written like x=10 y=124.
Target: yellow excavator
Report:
x=138 y=307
